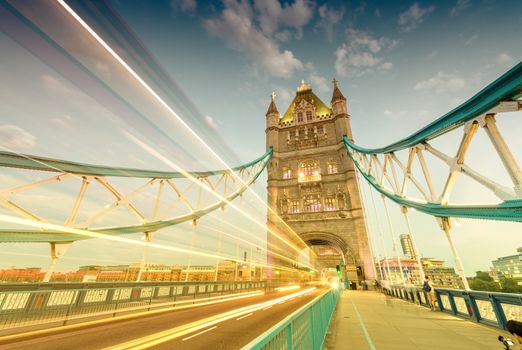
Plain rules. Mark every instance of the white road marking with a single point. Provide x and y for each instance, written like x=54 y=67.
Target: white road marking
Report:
x=239 y=318
x=195 y=335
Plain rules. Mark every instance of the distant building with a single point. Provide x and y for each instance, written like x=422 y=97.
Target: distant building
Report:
x=407 y=246
x=442 y=276
x=509 y=266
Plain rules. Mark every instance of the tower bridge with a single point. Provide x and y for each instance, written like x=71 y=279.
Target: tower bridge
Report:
x=260 y=284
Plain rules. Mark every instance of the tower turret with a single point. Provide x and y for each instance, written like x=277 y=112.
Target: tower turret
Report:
x=340 y=111
x=272 y=125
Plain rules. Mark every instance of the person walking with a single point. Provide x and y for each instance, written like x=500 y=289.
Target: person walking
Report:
x=430 y=290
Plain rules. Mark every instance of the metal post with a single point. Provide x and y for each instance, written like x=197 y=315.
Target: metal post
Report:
x=57 y=251
x=446 y=227
x=192 y=242
x=415 y=250
x=393 y=239
x=147 y=236
x=219 y=243
x=509 y=161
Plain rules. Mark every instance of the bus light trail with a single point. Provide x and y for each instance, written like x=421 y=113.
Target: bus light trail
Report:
x=163 y=103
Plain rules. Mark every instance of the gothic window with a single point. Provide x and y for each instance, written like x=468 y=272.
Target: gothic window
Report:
x=329 y=204
x=287 y=173
x=309 y=116
x=312 y=203
x=294 y=206
x=332 y=168
x=309 y=171
x=300 y=117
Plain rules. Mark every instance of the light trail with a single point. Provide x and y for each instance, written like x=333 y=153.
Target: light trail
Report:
x=170 y=334
x=164 y=104
x=242 y=317
x=43 y=225
x=195 y=335
x=207 y=188
x=257 y=246
x=210 y=301
x=282 y=289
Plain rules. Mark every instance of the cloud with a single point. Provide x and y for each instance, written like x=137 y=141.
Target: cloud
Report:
x=460 y=6
x=441 y=82
x=505 y=60
x=328 y=18
x=15 y=138
x=185 y=6
x=361 y=52
x=271 y=15
x=319 y=82
x=412 y=17
x=211 y=123
x=236 y=26
x=470 y=40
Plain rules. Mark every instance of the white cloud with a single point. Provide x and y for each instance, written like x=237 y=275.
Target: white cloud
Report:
x=329 y=17
x=412 y=17
x=211 y=123
x=460 y=6
x=185 y=6
x=387 y=112
x=236 y=26
x=361 y=51
x=285 y=95
x=505 y=60
x=470 y=40
x=441 y=82
x=320 y=83
x=271 y=15
x=14 y=138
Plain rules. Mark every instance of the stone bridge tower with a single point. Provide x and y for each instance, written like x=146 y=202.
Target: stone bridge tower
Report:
x=312 y=182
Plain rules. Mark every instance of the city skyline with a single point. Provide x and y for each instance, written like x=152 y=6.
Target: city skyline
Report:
x=398 y=53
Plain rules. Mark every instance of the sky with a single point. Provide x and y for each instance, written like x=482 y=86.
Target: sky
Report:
x=400 y=64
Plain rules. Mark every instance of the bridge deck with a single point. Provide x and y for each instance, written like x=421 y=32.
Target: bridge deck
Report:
x=371 y=320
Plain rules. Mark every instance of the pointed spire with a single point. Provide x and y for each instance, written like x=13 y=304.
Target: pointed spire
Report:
x=272 y=108
x=337 y=94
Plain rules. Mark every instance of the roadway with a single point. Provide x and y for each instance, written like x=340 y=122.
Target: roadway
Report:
x=225 y=325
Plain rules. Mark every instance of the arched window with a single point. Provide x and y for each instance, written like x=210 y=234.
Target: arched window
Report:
x=294 y=206
x=299 y=117
x=309 y=116
x=312 y=203
x=287 y=173
x=332 y=168
x=309 y=171
x=329 y=204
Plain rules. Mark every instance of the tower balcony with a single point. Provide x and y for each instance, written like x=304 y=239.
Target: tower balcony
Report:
x=314 y=177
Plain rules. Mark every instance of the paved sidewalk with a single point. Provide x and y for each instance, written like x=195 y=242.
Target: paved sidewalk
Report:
x=370 y=320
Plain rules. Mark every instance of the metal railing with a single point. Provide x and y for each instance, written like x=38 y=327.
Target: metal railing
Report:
x=304 y=329
x=23 y=305
x=490 y=308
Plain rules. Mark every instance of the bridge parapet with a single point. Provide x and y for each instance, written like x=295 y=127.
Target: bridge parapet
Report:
x=304 y=329
x=62 y=303
x=490 y=308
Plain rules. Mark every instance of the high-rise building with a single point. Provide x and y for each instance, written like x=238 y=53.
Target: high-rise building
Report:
x=312 y=183
x=407 y=246
x=509 y=266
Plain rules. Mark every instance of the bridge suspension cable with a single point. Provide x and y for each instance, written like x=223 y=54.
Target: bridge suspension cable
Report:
x=378 y=166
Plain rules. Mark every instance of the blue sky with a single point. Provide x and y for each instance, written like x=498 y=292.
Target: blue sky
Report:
x=400 y=65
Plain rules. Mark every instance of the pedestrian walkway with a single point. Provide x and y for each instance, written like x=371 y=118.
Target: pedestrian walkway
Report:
x=370 y=320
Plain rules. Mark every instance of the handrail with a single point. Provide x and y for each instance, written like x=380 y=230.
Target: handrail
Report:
x=303 y=329
x=25 y=161
x=490 y=308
